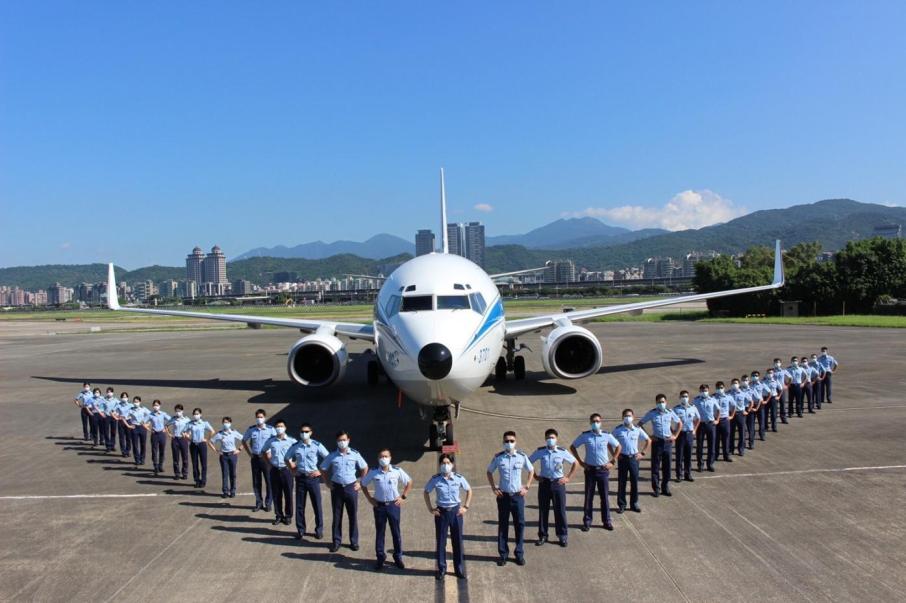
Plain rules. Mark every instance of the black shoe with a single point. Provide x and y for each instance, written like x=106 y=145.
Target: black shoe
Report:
x=232 y=495
x=799 y=415
x=711 y=469
x=689 y=478
x=334 y=547
x=620 y=510
x=761 y=438
x=699 y=468
x=299 y=535
x=257 y=508
x=224 y=495
x=267 y=508
x=319 y=535
x=774 y=429
x=585 y=528
x=812 y=412
x=636 y=509
x=462 y=576
x=666 y=493
x=655 y=493
x=562 y=543
x=520 y=560
x=378 y=566
x=439 y=576
x=608 y=526
x=541 y=541
x=354 y=547
x=277 y=520
x=728 y=459
x=750 y=447
x=399 y=564
x=501 y=562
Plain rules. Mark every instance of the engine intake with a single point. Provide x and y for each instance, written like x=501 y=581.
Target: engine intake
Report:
x=317 y=360
x=571 y=352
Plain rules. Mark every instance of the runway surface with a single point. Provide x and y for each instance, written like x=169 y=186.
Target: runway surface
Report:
x=814 y=513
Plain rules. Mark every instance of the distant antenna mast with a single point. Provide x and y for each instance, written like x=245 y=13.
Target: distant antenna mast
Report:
x=443 y=213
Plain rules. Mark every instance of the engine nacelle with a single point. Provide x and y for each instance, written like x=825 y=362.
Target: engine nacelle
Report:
x=571 y=352
x=317 y=360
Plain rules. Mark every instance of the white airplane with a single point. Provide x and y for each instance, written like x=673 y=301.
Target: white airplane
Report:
x=440 y=330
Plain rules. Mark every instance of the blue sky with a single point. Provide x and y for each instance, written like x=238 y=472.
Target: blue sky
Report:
x=132 y=131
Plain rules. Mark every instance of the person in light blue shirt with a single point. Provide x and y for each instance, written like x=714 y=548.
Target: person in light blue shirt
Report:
x=628 y=434
x=742 y=401
x=552 y=486
x=810 y=389
x=665 y=425
x=688 y=414
x=783 y=379
x=762 y=392
x=745 y=385
x=275 y=450
x=342 y=468
x=304 y=459
x=196 y=432
x=829 y=364
x=510 y=463
x=157 y=420
x=601 y=449
x=387 y=503
x=91 y=403
x=137 y=423
x=108 y=411
x=709 y=415
x=448 y=514
x=253 y=441
x=727 y=415
x=775 y=404
x=79 y=400
x=100 y=417
x=177 y=426
x=818 y=384
x=798 y=377
x=120 y=412
x=230 y=441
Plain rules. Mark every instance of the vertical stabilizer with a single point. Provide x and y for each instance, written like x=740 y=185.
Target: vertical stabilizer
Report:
x=443 y=214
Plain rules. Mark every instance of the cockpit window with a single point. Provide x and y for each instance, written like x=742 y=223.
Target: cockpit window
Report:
x=392 y=306
x=478 y=303
x=453 y=302
x=415 y=303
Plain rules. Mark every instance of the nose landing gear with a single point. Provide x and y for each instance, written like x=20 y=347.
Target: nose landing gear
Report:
x=440 y=434
x=511 y=362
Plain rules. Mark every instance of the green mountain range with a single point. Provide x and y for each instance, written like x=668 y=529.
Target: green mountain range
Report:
x=832 y=222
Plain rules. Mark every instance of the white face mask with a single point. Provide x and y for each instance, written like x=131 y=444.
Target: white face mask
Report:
x=109 y=396
x=596 y=426
x=281 y=430
x=227 y=426
x=156 y=407
x=196 y=416
x=124 y=399
x=509 y=446
x=777 y=365
x=446 y=468
x=735 y=386
x=179 y=413
x=745 y=383
x=627 y=420
x=306 y=435
x=384 y=461
x=86 y=389
x=720 y=390
x=662 y=406
x=684 y=399
x=259 y=420
x=342 y=444
x=97 y=394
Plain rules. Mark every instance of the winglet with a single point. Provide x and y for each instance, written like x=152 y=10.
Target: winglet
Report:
x=778 y=265
x=443 y=214
x=112 y=300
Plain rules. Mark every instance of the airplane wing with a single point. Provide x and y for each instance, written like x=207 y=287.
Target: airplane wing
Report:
x=520 y=326
x=515 y=272
x=347 y=329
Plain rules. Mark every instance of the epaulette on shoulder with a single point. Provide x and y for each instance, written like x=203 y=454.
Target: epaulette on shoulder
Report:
x=499 y=453
x=540 y=447
x=351 y=449
x=437 y=475
x=561 y=448
x=458 y=475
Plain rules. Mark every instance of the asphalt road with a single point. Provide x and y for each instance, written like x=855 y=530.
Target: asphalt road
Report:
x=815 y=513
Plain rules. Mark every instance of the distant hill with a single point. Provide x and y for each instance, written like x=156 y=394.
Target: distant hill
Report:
x=261 y=270
x=378 y=246
x=558 y=233
x=832 y=222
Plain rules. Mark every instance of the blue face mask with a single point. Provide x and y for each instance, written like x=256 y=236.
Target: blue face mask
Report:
x=551 y=442
x=509 y=446
x=662 y=406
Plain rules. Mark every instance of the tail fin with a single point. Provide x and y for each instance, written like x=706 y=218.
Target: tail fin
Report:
x=779 y=276
x=113 y=301
x=443 y=214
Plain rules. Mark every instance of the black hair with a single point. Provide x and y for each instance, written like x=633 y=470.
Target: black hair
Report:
x=281 y=421
x=226 y=419
x=124 y=394
x=178 y=407
x=719 y=384
x=444 y=457
x=507 y=434
x=593 y=415
x=304 y=425
x=86 y=383
x=383 y=450
x=196 y=410
x=551 y=432
x=110 y=389
x=155 y=402
x=703 y=386
x=260 y=411
x=626 y=410
x=341 y=433
x=658 y=397
x=684 y=392
x=139 y=398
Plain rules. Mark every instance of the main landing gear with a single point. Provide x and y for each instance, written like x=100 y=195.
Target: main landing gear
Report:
x=511 y=363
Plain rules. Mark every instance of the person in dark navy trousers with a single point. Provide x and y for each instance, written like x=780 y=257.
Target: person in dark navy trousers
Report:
x=120 y=412
x=137 y=422
x=157 y=420
x=275 y=450
x=108 y=409
x=830 y=365
x=177 y=428
x=688 y=414
x=196 y=432
x=230 y=441
x=84 y=414
x=304 y=457
x=510 y=463
x=709 y=413
x=254 y=439
x=665 y=425
x=448 y=516
x=727 y=415
x=601 y=448
x=343 y=467
x=552 y=486
x=387 y=503
x=629 y=435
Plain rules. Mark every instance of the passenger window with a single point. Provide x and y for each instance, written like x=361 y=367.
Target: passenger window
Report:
x=478 y=303
x=452 y=302
x=416 y=303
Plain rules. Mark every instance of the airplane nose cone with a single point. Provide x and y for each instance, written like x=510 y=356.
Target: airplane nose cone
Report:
x=435 y=361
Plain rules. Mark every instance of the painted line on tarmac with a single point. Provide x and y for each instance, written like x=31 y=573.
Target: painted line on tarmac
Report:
x=146 y=495
x=804 y=471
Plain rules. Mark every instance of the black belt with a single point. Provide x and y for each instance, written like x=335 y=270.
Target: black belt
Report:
x=387 y=503
x=307 y=474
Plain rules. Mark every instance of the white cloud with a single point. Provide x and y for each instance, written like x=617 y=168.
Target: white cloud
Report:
x=485 y=207
x=65 y=245
x=688 y=209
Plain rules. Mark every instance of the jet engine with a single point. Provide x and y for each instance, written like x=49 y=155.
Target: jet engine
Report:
x=571 y=352
x=317 y=360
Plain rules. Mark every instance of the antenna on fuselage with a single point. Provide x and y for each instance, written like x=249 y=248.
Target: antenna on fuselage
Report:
x=443 y=214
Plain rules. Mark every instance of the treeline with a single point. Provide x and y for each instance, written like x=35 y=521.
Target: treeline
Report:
x=862 y=278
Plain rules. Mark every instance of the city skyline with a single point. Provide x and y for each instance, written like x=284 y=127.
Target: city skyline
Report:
x=669 y=116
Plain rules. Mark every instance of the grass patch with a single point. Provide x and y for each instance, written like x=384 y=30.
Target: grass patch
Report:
x=855 y=320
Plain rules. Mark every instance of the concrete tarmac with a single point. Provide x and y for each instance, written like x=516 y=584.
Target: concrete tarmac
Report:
x=814 y=513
